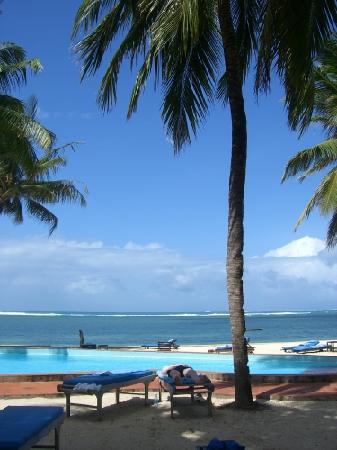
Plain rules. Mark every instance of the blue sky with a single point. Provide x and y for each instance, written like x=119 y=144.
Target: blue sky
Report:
x=144 y=201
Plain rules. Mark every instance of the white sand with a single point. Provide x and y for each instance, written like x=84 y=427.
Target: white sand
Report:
x=132 y=426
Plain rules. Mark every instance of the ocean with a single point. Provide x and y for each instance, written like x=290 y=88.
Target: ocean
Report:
x=61 y=328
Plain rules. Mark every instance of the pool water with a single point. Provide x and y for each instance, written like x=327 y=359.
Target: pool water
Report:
x=62 y=360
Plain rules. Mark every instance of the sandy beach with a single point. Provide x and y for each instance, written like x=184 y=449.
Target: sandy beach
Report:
x=270 y=348
x=130 y=425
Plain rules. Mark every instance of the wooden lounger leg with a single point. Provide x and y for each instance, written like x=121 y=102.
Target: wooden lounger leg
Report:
x=117 y=396
x=209 y=402
x=146 y=388
x=68 y=403
x=192 y=395
x=171 y=401
x=159 y=393
x=99 y=406
x=57 y=438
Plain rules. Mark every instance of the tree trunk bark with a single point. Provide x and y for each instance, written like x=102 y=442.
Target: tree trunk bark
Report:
x=235 y=238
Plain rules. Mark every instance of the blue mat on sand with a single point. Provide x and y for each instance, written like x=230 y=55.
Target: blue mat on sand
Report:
x=216 y=444
x=19 y=424
x=108 y=378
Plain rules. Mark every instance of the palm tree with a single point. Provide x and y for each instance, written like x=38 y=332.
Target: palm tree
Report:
x=324 y=155
x=25 y=177
x=198 y=50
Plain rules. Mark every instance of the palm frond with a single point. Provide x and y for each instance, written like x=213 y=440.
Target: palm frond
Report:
x=187 y=43
x=88 y=14
x=292 y=35
x=41 y=213
x=13 y=65
x=325 y=197
x=13 y=116
x=331 y=237
x=312 y=160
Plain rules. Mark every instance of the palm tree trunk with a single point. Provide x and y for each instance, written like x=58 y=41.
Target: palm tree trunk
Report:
x=235 y=239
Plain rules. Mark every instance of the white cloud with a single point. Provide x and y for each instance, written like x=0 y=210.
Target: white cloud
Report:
x=87 y=285
x=306 y=246
x=132 y=246
x=55 y=274
x=41 y=273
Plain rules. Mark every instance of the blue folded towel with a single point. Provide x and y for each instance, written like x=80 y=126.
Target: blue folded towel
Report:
x=108 y=378
x=229 y=444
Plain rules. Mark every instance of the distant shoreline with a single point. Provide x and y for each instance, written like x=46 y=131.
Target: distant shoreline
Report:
x=260 y=348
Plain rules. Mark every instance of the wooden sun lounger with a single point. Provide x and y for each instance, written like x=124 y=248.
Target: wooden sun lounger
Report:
x=21 y=427
x=68 y=390
x=163 y=346
x=191 y=390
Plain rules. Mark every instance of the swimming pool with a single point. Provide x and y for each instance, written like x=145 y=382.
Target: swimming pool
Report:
x=63 y=360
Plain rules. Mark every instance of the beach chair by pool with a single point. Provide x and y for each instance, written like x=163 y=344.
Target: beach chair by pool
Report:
x=164 y=345
x=306 y=347
x=185 y=387
x=229 y=348
x=221 y=349
x=99 y=384
x=22 y=426
x=83 y=344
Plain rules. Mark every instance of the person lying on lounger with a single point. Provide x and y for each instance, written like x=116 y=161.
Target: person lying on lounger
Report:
x=178 y=371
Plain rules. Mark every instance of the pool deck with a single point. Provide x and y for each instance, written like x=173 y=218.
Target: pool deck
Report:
x=263 y=391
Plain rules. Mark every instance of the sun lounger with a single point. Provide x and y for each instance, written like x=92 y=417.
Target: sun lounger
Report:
x=185 y=387
x=98 y=384
x=164 y=345
x=221 y=349
x=22 y=426
x=229 y=348
x=306 y=347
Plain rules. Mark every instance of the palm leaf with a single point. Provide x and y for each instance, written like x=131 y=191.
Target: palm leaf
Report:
x=13 y=65
x=293 y=33
x=41 y=213
x=331 y=238
x=312 y=160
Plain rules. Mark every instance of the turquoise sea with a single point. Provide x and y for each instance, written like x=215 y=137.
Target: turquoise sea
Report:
x=61 y=328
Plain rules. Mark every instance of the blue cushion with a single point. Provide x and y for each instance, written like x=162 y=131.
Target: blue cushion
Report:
x=304 y=345
x=108 y=378
x=229 y=444
x=19 y=424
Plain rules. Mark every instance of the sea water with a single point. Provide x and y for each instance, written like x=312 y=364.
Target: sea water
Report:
x=61 y=328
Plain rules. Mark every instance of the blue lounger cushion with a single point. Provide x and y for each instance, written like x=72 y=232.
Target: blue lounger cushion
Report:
x=19 y=424
x=108 y=378
x=303 y=348
x=308 y=344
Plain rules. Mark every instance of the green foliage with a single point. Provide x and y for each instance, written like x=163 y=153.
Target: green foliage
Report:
x=292 y=34
x=178 y=45
x=25 y=173
x=324 y=155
